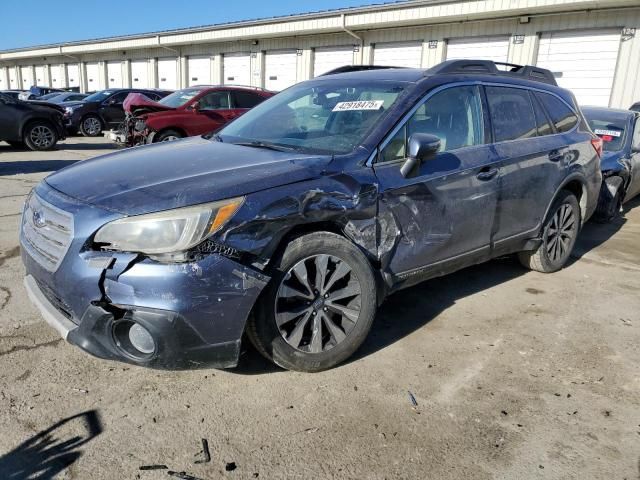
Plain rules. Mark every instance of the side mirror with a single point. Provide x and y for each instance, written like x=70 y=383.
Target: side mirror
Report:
x=196 y=107
x=421 y=146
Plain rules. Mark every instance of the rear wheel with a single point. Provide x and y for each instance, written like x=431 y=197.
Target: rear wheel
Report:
x=559 y=235
x=319 y=306
x=169 y=136
x=91 y=126
x=40 y=136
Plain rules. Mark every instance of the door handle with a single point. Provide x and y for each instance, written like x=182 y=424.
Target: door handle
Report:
x=556 y=155
x=487 y=173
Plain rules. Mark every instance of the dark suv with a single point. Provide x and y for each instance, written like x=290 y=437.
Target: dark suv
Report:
x=296 y=220
x=39 y=127
x=102 y=110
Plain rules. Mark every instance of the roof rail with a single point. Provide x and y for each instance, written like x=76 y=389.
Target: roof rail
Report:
x=355 y=68
x=526 y=72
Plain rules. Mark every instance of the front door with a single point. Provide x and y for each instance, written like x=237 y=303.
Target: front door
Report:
x=112 y=109
x=214 y=111
x=446 y=212
x=10 y=118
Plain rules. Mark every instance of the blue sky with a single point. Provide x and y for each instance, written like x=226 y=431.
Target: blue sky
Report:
x=43 y=21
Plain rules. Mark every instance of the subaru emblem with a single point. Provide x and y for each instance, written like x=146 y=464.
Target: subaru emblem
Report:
x=38 y=219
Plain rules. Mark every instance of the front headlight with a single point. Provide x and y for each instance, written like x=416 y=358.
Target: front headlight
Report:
x=139 y=126
x=170 y=231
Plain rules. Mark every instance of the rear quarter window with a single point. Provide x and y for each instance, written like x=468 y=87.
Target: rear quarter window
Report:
x=563 y=118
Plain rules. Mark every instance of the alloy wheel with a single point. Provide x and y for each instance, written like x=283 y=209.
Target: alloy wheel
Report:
x=170 y=138
x=560 y=233
x=92 y=126
x=42 y=137
x=318 y=303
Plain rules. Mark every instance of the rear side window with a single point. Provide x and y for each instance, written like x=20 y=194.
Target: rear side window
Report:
x=561 y=115
x=542 y=122
x=511 y=113
x=246 y=99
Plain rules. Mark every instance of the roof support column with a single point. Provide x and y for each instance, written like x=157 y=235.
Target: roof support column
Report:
x=126 y=73
x=216 y=69
x=183 y=80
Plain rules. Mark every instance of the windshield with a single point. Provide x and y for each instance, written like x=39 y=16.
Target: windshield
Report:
x=611 y=131
x=330 y=117
x=179 y=98
x=99 y=96
x=49 y=96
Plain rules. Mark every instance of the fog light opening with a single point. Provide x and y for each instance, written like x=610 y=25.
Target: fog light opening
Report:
x=141 y=339
x=134 y=339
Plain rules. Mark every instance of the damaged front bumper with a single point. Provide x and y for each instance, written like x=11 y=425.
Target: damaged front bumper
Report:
x=195 y=312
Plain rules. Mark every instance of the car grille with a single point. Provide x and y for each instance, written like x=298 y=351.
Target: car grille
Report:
x=47 y=232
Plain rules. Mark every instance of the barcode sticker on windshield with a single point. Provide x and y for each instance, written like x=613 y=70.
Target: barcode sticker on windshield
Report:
x=359 y=105
x=611 y=133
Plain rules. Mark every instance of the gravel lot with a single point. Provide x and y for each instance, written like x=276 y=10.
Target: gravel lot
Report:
x=515 y=375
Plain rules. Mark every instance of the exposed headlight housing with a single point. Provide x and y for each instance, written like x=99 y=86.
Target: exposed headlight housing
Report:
x=167 y=232
x=139 y=126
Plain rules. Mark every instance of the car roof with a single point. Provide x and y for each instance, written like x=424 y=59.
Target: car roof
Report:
x=610 y=112
x=385 y=74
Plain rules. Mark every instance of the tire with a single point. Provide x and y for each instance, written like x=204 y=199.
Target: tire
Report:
x=288 y=314
x=40 y=136
x=168 y=136
x=609 y=205
x=91 y=126
x=17 y=145
x=557 y=243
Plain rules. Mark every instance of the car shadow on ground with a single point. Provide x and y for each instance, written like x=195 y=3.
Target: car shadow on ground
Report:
x=32 y=166
x=51 y=451
x=88 y=146
x=594 y=234
x=409 y=310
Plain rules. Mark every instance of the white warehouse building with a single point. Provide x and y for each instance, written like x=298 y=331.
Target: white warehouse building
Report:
x=593 y=46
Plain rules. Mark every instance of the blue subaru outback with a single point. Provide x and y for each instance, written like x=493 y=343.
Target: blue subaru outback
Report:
x=294 y=222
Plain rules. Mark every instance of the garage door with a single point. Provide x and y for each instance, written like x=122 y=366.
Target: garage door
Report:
x=27 y=78
x=41 y=76
x=481 y=48
x=13 y=78
x=584 y=62
x=280 y=70
x=398 y=54
x=199 y=71
x=326 y=59
x=57 y=77
x=140 y=74
x=4 y=78
x=168 y=73
x=93 y=77
x=73 y=75
x=236 y=69
x=114 y=75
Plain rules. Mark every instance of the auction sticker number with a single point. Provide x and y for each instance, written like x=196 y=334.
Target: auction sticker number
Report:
x=359 y=105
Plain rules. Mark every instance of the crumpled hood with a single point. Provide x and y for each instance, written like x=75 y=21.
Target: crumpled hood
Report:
x=181 y=173
x=136 y=101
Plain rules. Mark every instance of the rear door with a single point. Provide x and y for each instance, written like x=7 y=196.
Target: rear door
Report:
x=446 y=212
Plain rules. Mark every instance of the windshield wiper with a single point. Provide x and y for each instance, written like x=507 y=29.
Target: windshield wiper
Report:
x=267 y=146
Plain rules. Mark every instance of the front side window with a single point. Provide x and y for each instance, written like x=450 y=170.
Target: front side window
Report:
x=511 y=113
x=329 y=116
x=453 y=115
x=214 y=101
x=561 y=115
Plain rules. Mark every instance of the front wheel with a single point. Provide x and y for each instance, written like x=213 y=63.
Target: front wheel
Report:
x=559 y=235
x=319 y=306
x=169 y=136
x=40 y=136
x=91 y=126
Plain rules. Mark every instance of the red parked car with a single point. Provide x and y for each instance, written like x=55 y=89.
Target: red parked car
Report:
x=185 y=113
